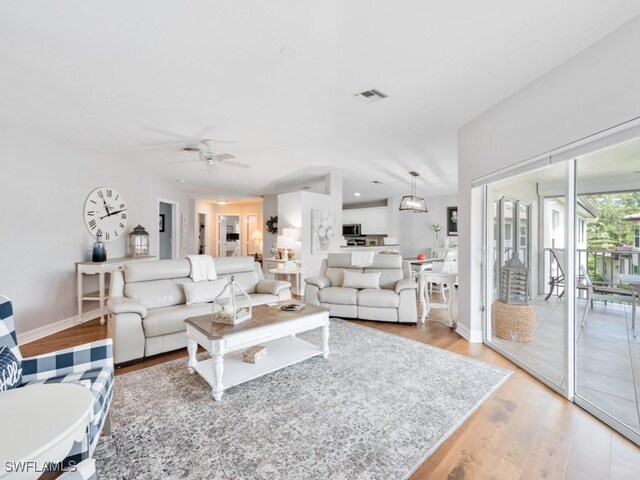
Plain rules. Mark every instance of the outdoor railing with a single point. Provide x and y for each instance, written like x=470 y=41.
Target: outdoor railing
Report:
x=603 y=266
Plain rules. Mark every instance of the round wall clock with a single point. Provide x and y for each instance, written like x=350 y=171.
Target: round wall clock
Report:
x=105 y=212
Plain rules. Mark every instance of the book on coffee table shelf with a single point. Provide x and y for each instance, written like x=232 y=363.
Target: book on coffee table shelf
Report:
x=254 y=354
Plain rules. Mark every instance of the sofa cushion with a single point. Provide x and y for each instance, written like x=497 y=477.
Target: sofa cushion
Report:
x=247 y=280
x=158 y=293
x=227 y=265
x=156 y=270
x=378 y=298
x=388 y=276
x=336 y=275
x=163 y=321
x=339 y=295
x=361 y=280
x=202 y=292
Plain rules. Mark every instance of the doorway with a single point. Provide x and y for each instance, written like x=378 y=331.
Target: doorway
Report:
x=167 y=230
x=229 y=235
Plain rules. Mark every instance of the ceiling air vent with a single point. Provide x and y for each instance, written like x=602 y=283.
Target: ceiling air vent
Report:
x=370 y=96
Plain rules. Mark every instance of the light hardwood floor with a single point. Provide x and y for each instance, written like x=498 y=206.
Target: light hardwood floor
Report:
x=523 y=431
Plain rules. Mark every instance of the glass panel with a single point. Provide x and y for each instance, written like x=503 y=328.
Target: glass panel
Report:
x=607 y=352
x=527 y=317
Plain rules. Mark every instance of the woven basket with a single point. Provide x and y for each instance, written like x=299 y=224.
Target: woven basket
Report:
x=513 y=322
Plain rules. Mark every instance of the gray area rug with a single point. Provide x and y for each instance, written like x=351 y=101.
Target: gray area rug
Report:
x=373 y=410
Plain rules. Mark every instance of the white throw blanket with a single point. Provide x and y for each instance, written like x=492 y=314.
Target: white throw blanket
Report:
x=361 y=259
x=202 y=268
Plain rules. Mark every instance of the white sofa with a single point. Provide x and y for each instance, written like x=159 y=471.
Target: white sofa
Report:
x=394 y=301
x=148 y=305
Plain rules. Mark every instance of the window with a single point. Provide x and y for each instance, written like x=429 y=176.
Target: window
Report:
x=637 y=236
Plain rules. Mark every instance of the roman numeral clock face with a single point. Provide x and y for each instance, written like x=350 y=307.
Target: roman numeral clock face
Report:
x=105 y=212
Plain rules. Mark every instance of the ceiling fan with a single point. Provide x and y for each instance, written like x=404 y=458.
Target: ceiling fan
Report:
x=207 y=154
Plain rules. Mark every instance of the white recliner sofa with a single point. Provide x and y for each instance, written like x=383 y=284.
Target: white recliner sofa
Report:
x=393 y=301
x=149 y=302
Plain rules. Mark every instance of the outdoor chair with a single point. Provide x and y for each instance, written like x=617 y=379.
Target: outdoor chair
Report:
x=557 y=281
x=608 y=294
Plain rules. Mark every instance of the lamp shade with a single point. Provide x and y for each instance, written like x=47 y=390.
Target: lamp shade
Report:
x=413 y=203
x=286 y=241
x=290 y=232
x=256 y=235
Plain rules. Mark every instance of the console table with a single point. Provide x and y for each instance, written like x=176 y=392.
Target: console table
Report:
x=100 y=269
x=40 y=425
x=288 y=272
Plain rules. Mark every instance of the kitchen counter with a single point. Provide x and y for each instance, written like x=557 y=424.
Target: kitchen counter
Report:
x=370 y=246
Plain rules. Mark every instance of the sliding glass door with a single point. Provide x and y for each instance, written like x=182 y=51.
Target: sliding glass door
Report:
x=563 y=281
x=526 y=315
x=607 y=348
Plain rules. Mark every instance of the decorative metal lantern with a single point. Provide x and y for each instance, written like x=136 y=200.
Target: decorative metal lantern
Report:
x=514 y=282
x=225 y=306
x=138 y=242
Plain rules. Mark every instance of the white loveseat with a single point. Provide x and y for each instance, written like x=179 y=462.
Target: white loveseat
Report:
x=148 y=303
x=393 y=301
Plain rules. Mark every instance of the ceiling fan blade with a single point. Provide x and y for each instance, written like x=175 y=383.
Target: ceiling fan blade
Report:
x=224 y=156
x=237 y=164
x=167 y=133
x=202 y=133
x=185 y=161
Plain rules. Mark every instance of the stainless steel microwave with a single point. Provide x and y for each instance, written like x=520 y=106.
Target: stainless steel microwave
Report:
x=351 y=230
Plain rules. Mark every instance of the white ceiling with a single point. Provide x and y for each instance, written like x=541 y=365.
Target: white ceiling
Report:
x=107 y=75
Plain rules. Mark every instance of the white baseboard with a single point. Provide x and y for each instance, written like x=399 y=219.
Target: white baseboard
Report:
x=472 y=336
x=41 y=332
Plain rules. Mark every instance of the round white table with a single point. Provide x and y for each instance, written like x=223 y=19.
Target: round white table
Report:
x=39 y=425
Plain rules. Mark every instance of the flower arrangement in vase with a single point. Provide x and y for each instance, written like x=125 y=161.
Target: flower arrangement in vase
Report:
x=436 y=227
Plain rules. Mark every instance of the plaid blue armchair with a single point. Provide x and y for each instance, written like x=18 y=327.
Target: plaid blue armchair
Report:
x=90 y=365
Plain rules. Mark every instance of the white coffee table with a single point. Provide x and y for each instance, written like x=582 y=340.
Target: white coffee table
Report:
x=268 y=326
x=40 y=425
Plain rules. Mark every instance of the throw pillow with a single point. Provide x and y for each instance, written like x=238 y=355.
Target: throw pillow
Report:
x=10 y=370
x=203 y=292
x=360 y=280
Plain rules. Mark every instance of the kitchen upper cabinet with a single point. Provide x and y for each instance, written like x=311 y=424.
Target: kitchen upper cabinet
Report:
x=372 y=220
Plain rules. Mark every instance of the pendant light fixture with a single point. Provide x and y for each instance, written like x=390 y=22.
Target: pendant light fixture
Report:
x=413 y=203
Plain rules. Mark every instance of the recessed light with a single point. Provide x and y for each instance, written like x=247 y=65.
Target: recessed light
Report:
x=376 y=182
x=357 y=194
x=287 y=51
x=222 y=202
x=180 y=180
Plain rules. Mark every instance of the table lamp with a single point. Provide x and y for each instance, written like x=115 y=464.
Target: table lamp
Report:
x=256 y=236
x=286 y=242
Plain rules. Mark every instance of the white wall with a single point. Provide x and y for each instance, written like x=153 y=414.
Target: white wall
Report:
x=294 y=210
x=43 y=187
x=593 y=91
x=269 y=209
